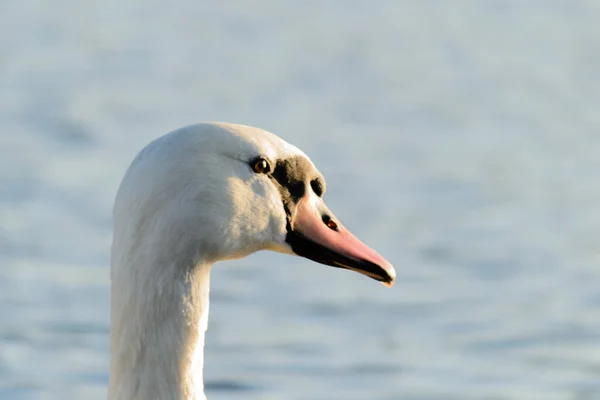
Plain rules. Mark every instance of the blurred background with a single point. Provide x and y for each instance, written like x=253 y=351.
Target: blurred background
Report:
x=460 y=139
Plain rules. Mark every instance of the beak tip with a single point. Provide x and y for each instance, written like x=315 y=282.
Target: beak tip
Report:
x=392 y=276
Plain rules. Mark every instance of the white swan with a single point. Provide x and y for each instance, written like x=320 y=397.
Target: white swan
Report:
x=198 y=195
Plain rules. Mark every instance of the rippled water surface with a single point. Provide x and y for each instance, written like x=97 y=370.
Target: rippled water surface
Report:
x=461 y=139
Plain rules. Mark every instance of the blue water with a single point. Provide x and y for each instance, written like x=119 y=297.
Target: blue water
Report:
x=460 y=139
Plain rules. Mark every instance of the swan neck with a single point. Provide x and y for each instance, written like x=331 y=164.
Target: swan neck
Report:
x=159 y=316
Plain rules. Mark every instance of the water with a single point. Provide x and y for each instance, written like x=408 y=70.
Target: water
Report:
x=460 y=139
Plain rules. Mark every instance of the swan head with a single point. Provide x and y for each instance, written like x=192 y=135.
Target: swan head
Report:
x=223 y=191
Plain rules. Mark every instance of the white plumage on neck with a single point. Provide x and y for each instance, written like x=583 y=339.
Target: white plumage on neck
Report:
x=157 y=350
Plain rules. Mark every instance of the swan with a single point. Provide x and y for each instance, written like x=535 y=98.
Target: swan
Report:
x=198 y=195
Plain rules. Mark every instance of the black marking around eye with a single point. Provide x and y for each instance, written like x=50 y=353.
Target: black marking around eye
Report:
x=292 y=174
x=292 y=177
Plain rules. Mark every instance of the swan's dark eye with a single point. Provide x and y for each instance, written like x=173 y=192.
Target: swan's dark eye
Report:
x=261 y=166
x=330 y=223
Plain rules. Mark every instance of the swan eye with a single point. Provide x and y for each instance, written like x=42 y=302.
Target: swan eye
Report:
x=261 y=166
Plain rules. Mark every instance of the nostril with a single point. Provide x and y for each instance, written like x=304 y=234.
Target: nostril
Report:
x=330 y=223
